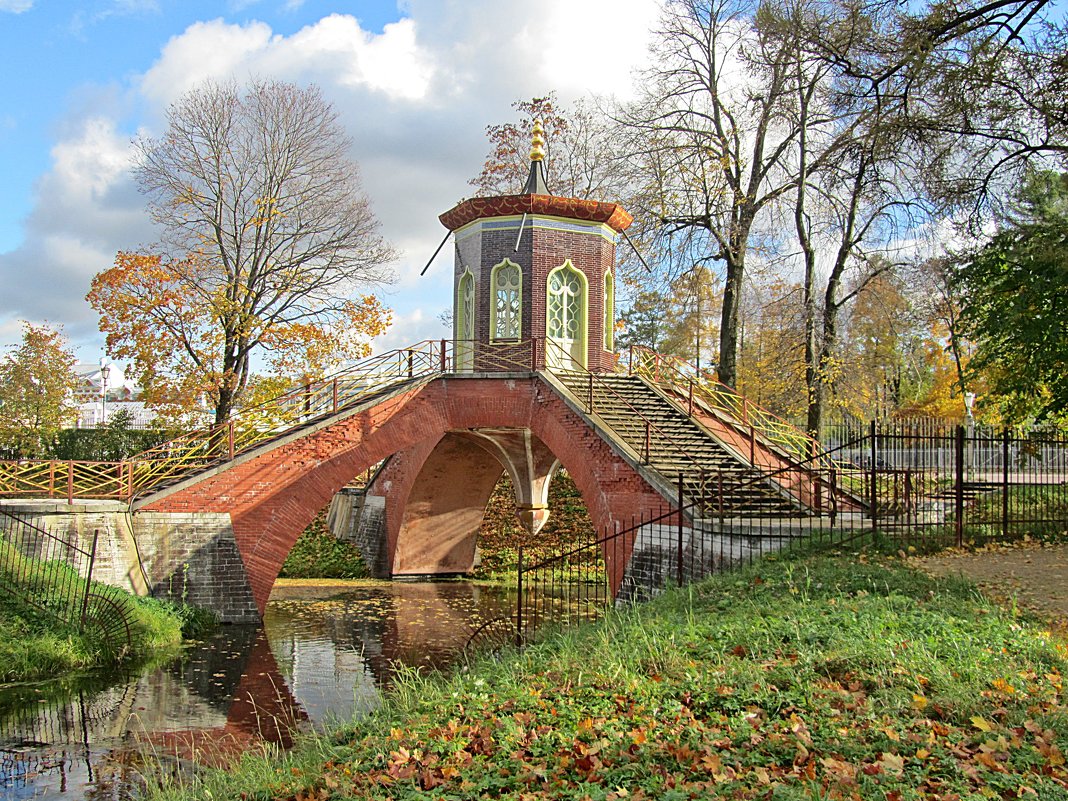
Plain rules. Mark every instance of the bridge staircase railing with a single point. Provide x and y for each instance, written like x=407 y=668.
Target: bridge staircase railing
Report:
x=748 y=488
x=695 y=388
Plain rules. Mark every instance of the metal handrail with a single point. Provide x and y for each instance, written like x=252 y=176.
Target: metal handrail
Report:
x=256 y=425
x=594 y=379
x=683 y=379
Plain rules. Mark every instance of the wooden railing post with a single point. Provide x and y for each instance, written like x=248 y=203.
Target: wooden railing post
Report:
x=533 y=354
x=129 y=481
x=648 y=438
x=70 y=482
x=690 y=411
x=441 y=362
x=230 y=438
x=51 y=478
x=411 y=363
x=590 y=399
x=333 y=392
x=630 y=361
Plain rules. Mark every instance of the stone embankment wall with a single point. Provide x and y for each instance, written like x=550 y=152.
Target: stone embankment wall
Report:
x=187 y=557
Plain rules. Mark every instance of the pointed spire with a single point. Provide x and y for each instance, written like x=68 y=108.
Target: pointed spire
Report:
x=536 y=179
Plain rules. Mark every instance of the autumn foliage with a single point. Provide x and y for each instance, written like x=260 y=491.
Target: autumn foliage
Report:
x=177 y=325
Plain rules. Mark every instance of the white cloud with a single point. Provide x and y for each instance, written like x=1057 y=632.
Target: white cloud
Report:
x=416 y=99
x=333 y=50
x=16 y=6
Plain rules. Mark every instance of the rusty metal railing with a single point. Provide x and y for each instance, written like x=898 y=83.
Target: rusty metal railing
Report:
x=693 y=386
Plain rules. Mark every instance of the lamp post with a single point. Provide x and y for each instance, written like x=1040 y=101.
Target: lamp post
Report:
x=105 y=371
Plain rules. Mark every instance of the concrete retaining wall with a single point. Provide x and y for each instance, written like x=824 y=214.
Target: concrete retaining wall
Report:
x=186 y=557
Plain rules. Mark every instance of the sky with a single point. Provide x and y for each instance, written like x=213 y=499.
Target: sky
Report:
x=415 y=82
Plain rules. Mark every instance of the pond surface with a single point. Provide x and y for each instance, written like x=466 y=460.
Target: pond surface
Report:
x=325 y=652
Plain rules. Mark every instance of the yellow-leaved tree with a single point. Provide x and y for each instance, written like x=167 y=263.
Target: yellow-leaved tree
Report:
x=37 y=386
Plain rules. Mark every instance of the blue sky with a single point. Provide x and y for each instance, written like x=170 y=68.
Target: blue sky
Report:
x=416 y=84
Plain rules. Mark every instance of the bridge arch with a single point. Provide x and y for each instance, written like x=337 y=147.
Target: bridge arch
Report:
x=273 y=493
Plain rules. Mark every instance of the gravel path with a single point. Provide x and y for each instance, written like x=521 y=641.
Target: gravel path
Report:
x=1032 y=574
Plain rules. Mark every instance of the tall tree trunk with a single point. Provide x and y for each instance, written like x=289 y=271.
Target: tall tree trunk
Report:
x=728 y=327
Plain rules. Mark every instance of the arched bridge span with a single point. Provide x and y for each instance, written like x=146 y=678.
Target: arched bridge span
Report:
x=274 y=492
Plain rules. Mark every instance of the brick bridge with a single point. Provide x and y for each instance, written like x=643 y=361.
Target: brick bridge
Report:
x=530 y=381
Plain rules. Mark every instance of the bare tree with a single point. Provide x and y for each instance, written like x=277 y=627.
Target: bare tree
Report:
x=710 y=142
x=266 y=235
x=581 y=160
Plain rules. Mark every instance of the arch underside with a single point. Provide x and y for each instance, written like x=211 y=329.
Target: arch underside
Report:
x=272 y=496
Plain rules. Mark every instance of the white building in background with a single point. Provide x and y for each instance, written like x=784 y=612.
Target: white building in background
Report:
x=102 y=391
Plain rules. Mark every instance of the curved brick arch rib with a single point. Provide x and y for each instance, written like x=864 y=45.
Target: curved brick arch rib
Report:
x=272 y=495
x=435 y=506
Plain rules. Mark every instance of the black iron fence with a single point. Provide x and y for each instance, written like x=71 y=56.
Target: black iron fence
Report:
x=900 y=486
x=54 y=574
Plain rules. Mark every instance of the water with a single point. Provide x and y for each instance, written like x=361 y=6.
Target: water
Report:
x=325 y=652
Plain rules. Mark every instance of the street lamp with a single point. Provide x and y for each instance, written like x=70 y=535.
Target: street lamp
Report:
x=105 y=371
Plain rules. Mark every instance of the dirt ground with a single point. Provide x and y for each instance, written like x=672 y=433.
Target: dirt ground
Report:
x=1033 y=575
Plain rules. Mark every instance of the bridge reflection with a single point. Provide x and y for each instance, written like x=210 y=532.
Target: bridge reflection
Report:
x=324 y=651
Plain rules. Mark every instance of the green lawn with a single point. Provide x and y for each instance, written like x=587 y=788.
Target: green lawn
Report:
x=822 y=677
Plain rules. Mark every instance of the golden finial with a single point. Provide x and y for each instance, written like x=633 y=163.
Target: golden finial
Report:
x=537 y=144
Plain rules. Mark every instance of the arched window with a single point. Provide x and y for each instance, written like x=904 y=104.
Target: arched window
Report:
x=609 y=312
x=565 y=321
x=465 y=321
x=507 y=311
x=465 y=307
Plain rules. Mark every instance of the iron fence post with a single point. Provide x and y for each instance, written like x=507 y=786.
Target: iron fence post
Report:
x=88 y=580
x=1005 y=482
x=873 y=494
x=959 y=494
x=679 y=550
x=519 y=601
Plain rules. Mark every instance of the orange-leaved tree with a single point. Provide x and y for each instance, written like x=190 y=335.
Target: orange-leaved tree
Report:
x=267 y=247
x=189 y=342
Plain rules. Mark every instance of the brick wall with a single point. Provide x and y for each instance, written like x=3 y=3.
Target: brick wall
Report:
x=272 y=495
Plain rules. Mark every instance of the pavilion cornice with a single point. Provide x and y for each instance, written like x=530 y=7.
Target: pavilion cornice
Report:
x=611 y=214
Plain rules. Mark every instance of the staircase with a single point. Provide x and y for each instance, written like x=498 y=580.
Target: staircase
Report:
x=674 y=445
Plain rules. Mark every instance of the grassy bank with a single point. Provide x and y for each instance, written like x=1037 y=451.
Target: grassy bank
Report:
x=36 y=644
x=826 y=677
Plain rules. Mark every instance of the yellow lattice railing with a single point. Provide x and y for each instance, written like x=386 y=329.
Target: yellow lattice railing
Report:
x=187 y=455
x=684 y=381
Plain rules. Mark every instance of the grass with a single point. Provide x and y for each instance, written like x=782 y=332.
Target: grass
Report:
x=819 y=677
x=318 y=554
x=37 y=643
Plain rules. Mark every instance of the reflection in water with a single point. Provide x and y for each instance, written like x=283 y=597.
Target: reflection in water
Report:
x=324 y=652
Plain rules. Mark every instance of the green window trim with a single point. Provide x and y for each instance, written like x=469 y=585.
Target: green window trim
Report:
x=506 y=308
x=465 y=306
x=567 y=309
